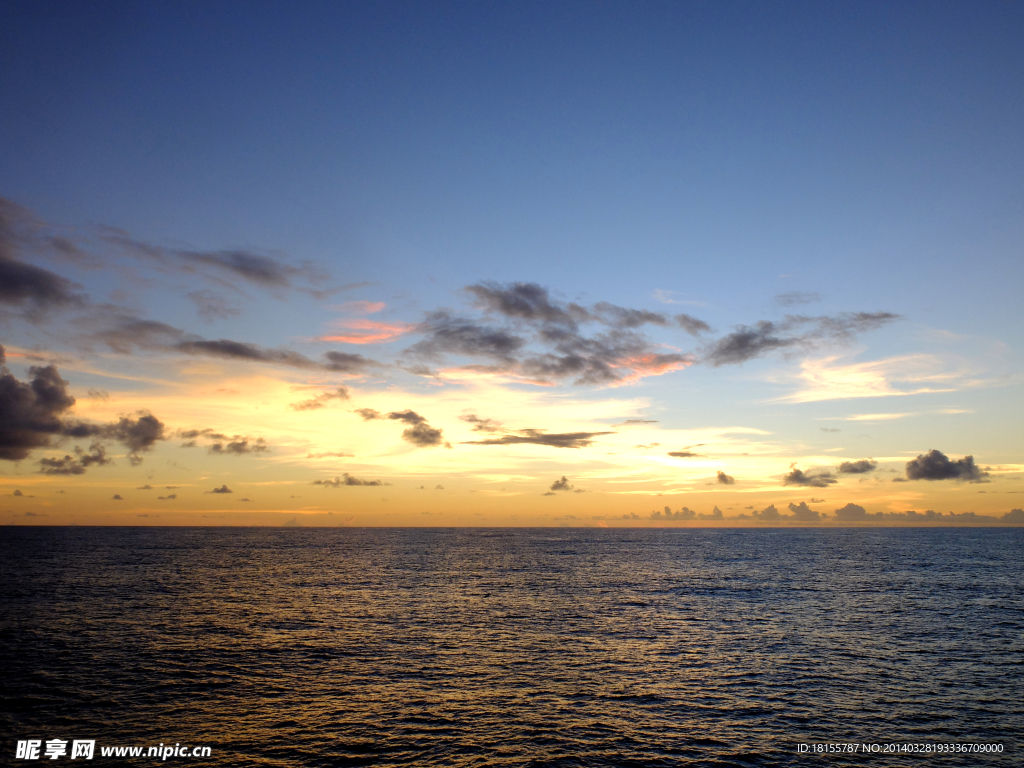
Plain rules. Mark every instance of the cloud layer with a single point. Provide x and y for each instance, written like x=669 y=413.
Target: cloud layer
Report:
x=935 y=465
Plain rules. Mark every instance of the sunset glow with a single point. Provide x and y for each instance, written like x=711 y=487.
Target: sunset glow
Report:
x=420 y=284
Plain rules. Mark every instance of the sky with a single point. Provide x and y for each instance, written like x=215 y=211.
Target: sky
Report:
x=522 y=264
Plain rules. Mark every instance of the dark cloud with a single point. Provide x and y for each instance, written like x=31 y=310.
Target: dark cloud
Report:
x=97 y=455
x=168 y=497
x=540 y=437
x=237 y=350
x=634 y=422
x=347 y=479
x=24 y=284
x=692 y=325
x=117 y=497
x=1014 y=516
x=724 y=479
x=138 y=434
x=424 y=436
x=798 y=477
x=146 y=487
x=684 y=454
x=803 y=513
x=255 y=268
x=859 y=467
x=69 y=465
x=341 y=393
x=482 y=425
x=748 y=342
x=830 y=429
x=603 y=358
x=851 y=513
x=420 y=434
x=348 y=362
x=526 y=301
x=769 y=514
x=31 y=417
x=621 y=317
x=125 y=333
x=847 y=323
x=409 y=417
x=532 y=303
x=223 y=489
x=239 y=446
x=35 y=287
x=448 y=335
x=30 y=413
x=796 y=297
x=193 y=434
x=561 y=485
x=935 y=465
x=17 y=493
x=211 y=306
x=683 y=514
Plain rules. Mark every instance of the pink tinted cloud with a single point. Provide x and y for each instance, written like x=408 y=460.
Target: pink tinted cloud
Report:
x=647 y=365
x=366 y=331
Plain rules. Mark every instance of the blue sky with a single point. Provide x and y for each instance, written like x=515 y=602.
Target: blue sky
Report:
x=706 y=158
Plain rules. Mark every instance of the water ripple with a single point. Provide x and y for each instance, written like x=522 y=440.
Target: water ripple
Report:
x=384 y=647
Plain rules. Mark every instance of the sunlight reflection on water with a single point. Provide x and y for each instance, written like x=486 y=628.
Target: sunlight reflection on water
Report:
x=498 y=647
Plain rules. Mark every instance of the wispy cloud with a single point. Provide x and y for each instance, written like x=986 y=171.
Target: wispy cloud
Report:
x=321 y=400
x=793 y=298
x=878 y=416
x=211 y=306
x=824 y=379
x=675 y=297
x=362 y=331
x=793 y=332
x=255 y=268
x=347 y=480
x=360 y=307
x=540 y=437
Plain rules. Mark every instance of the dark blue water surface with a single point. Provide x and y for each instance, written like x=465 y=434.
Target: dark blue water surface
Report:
x=512 y=647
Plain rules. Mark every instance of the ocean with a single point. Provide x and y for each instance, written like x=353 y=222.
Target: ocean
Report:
x=515 y=647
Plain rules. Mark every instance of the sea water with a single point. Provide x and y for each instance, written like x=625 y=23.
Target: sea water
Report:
x=515 y=647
